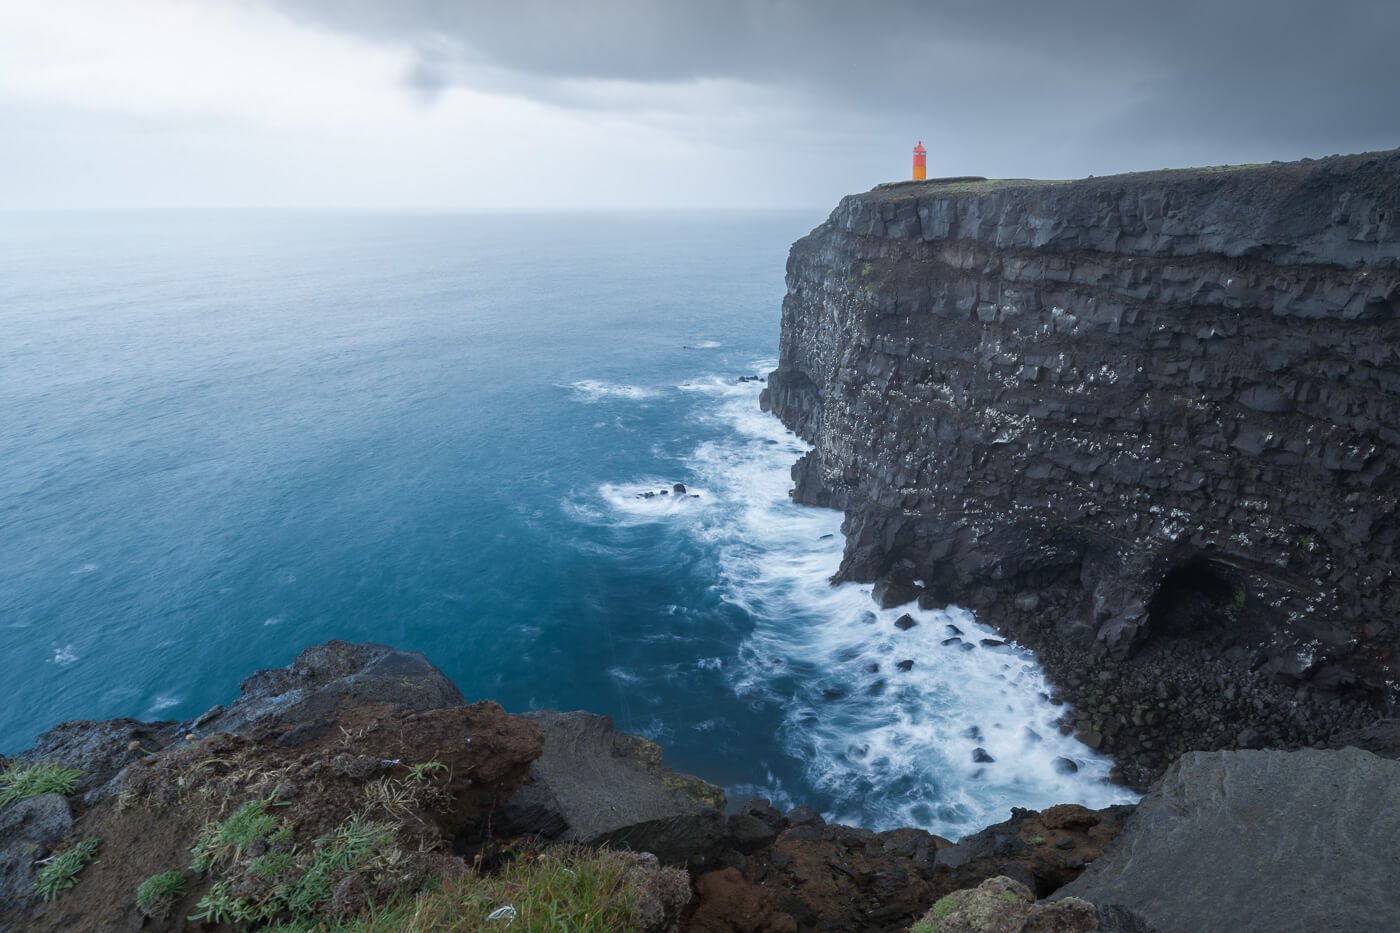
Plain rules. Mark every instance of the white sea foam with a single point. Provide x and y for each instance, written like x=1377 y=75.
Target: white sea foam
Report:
x=84 y=570
x=893 y=747
x=649 y=499
x=63 y=656
x=163 y=701
x=594 y=390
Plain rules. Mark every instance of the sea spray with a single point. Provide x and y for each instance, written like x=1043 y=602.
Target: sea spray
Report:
x=933 y=722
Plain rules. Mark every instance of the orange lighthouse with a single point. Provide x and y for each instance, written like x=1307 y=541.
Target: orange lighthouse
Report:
x=920 y=162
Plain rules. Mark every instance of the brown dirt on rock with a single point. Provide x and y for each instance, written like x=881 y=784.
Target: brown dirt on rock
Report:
x=315 y=776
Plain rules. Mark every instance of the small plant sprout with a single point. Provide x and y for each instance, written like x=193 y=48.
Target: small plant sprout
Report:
x=61 y=873
x=158 y=893
x=24 y=781
x=424 y=770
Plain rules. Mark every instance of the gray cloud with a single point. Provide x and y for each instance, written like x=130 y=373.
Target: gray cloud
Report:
x=1214 y=80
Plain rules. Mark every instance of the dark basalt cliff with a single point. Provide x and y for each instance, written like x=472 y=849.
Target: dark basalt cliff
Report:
x=1148 y=424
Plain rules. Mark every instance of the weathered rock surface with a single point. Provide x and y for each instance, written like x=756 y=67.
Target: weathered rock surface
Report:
x=829 y=877
x=27 y=829
x=337 y=732
x=597 y=786
x=307 y=694
x=1004 y=905
x=1153 y=415
x=1259 y=840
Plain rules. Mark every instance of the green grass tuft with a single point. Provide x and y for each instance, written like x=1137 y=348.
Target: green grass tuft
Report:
x=159 y=890
x=227 y=841
x=62 y=873
x=578 y=890
x=25 y=781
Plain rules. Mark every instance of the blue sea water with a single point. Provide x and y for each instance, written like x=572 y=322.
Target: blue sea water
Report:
x=226 y=436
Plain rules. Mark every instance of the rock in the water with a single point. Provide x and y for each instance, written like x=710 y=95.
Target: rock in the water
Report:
x=1063 y=765
x=906 y=665
x=889 y=592
x=679 y=488
x=905 y=622
x=1289 y=842
x=981 y=756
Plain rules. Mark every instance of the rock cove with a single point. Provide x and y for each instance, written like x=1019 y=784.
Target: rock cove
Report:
x=1148 y=425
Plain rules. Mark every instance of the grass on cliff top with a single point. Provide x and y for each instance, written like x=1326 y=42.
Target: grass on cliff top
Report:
x=911 y=188
x=578 y=890
x=24 y=781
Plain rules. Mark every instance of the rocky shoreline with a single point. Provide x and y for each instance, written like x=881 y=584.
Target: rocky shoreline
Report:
x=366 y=736
x=345 y=721
x=1147 y=425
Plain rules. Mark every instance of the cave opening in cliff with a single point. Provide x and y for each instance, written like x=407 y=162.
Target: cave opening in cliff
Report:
x=1198 y=599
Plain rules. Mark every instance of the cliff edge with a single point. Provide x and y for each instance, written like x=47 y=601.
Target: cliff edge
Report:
x=1148 y=424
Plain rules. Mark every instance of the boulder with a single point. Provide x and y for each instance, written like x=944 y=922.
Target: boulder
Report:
x=27 y=829
x=1259 y=840
x=100 y=750
x=597 y=786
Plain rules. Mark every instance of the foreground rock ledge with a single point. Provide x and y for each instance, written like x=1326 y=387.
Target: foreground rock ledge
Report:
x=341 y=728
x=1147 y=424
x=1289 y=842
x=1292 y=838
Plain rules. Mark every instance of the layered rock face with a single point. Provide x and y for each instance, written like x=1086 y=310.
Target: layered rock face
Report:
x=1148 y=424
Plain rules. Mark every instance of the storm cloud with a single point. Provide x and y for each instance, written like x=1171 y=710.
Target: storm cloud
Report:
x=1223 y=76
x=558 y=104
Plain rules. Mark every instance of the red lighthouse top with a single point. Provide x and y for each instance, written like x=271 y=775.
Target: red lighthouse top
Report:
x=919 y=149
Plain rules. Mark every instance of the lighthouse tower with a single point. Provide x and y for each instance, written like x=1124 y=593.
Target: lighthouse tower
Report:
x=920 y=162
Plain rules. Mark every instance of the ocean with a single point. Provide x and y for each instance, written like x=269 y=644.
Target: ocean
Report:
x=226 y=436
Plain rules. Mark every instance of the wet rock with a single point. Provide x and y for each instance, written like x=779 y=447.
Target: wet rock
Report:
x=906 y=665
x=1063 y=765
x=893 y=591
x=679 y=488
x=981 y=756
x=905 y=622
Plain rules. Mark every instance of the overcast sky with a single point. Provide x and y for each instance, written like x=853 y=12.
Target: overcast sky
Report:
x=564 y=104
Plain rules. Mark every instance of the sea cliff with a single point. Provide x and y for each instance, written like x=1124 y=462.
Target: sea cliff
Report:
x=1147 y=424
